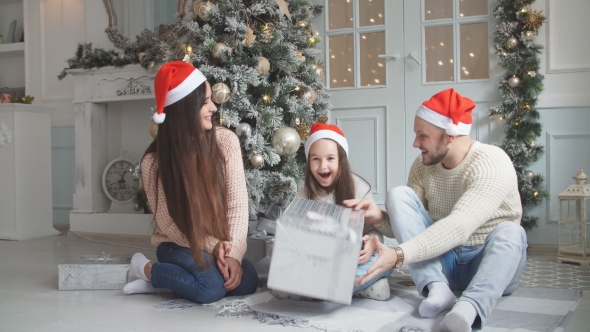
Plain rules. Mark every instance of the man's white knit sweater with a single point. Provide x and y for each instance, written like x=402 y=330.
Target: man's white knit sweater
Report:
x=466 y=203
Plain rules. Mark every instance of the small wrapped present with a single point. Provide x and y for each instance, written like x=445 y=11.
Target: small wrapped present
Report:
x=94 y=272
x=259 y=246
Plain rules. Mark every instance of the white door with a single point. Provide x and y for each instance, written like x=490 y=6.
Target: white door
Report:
x=448 y=44
x=364 y=74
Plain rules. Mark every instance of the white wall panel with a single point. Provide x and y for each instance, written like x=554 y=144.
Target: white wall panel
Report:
x=364 y=129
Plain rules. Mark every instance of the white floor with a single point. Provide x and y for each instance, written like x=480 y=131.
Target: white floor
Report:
x=30 y=301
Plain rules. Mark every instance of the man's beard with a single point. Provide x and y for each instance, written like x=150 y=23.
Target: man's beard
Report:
x=435 y=159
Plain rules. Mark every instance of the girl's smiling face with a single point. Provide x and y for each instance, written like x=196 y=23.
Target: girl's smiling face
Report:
x=324 y=161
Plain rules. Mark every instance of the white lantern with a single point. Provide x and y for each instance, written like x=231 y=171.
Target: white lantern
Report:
x=574 y=225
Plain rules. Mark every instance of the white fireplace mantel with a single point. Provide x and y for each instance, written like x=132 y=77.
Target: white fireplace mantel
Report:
x=94 y=90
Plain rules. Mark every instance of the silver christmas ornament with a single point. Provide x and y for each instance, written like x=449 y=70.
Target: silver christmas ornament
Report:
x=136 y=207
x=257 y=160
x=529 y=175
x=286 y=141
x=514 y=81
x=243 y=128
x=511 y=42
x=218 y=50
x=220 y=93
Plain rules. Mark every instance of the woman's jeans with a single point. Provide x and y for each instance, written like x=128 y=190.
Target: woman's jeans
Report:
x=177 y=271
x=484 y=273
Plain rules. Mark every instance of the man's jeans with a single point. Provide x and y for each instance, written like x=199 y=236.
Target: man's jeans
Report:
x=177 y=271
x=483 y=273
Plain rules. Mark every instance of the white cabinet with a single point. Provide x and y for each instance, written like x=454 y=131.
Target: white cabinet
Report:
x=12 y=56
x=25 y=176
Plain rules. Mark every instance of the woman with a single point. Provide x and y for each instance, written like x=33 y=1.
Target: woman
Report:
x=194 y=180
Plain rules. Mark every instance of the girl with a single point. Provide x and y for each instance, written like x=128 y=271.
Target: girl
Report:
x=328 y=178
x=194 y=180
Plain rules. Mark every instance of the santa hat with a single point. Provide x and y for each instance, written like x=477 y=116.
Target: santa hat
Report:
x=448 y=110
x=321 y=130
x=174 y=81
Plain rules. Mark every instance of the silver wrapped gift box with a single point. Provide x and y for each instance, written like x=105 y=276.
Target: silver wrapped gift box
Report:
x=316 y=250
x=94 y=272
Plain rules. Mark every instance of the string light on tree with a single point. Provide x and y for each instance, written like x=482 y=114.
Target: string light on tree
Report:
x=267 y=33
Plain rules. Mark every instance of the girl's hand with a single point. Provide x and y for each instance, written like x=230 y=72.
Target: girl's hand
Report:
x=367 y=251
x=220 y=251
x=235 y=274
x=386 y=260
x=373 y=215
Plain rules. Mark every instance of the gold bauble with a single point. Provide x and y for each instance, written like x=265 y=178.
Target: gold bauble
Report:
x=203 y=9
x=323 y=118
x=309 y=95
x=514 y=81
x=303 y=129
x=196 y=4
x=300 y=56
x=511 y=42
x=140 y=55
x=151 y=65
x=257 y=160
x=529 y=175
x=249 y=39
x=154 y=130
x=121 y=54
x=263 y=65
x=219 y=49
x=285 y=141
x=220 y=93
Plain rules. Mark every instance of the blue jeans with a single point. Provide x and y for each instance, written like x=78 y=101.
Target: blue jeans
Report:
x=361 y=270
x=177 y=271
x=483 y=273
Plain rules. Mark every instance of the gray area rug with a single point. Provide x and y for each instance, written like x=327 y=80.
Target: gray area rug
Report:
x=527 y=309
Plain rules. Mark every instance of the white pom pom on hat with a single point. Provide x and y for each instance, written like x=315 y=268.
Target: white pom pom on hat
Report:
x=321 y=130
x=174 y=81
x=448 y=110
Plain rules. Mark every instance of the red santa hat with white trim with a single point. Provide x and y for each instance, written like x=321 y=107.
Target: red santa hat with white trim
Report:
x=448 y=110
x=321 y=130
x=174 y=81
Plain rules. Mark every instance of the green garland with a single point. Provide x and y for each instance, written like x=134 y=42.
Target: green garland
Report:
x=514 y=40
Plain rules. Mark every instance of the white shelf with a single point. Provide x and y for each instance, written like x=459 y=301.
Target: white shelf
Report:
x=12 y=47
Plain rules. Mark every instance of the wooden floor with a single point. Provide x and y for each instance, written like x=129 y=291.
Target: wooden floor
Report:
x=30 y=301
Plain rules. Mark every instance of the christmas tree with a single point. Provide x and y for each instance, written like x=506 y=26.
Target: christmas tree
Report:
x=262 y=59
x=514 y=40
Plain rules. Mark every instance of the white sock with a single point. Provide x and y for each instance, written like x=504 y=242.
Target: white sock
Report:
x=139 y=286
x=460 y=318
x=440 y=298
x=138 y=262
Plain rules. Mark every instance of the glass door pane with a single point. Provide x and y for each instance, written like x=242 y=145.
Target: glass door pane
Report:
x=340 y=14
x=474 y=51
x=438 y=9
x=341 y=61
x=371 y=12
x=439 y=53
x=473 y=7
x=372 y=68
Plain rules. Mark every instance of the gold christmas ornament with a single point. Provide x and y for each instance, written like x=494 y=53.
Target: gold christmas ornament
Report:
x=529 y=175
x=318 y=68
x=303 y=129
x=284 y=8
x=263 y=65
x=151 y=65
x=203 y=9
x=514 y=81
x=196 y=4
x=219 y=49
x=220 y=93
x=299 y=56
x=534 y=20
x=511 y=42
x=249 y=39
x=323 y=118
x=121 y=55
x=140 y=56
x=285 y=141
x=257 y=160
x=154 y=130
x=267 y=32
x=309 y=95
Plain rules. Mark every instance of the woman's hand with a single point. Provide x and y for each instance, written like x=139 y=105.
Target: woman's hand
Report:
x=235 y=274
x=368 y=250
x=220 y=251
x=386 y=260
x=373 y=215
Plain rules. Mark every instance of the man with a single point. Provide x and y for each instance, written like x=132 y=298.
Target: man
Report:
x=457 y=221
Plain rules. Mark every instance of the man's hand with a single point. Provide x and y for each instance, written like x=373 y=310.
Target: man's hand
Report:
x=373 y=215
x=386 y=260
x=220 y=251
x=368 y=250
x=235 y=274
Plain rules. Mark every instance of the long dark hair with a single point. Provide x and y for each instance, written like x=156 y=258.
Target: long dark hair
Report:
x=190 y=166
x=343 y=185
